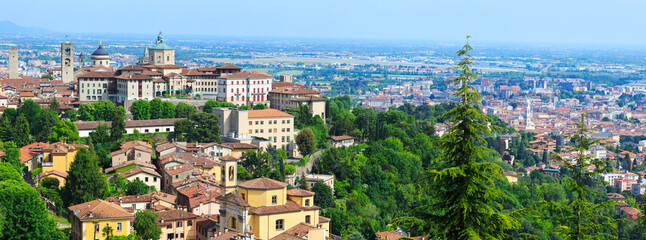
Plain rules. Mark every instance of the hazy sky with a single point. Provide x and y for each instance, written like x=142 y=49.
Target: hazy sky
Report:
x=614 y=22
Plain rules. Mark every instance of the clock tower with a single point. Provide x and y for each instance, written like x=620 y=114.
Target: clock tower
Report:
x=67 y=62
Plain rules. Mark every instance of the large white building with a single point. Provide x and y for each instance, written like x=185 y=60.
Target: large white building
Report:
x=157 y=75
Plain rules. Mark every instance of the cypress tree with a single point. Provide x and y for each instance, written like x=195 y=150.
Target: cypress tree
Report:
x=84 y=181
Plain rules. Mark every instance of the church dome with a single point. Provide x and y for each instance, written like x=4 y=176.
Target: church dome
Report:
x=100 y=51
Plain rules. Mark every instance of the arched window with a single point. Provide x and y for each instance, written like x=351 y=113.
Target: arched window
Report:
x=231 y=172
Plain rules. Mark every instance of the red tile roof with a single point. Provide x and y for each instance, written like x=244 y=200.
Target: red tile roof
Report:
x=99 y=209
x=268 y=113
x=262 y=183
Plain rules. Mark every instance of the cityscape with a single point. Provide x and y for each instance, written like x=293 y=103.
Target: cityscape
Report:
x=120 y=132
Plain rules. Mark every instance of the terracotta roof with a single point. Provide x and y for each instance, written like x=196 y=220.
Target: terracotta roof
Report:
x=52 y=172
x=167 y=66
x=267 y=113
x=228 y=66
x=132 y=67
x=138 y=170
x=262 y=183
x=236 y=198
x=247 y=75
x=299 y=231
x=341 y=138
x=99 y=209
x=61 y=147
x=165 y=146
x=299 y=193
x=240 y=145
x=174 y=214
x=97 y=75
x=135 y=76
x=290 y=206
x=228 y=158
x=323 y=219
x=27 y=94
x=130 y=199
x=294 y=90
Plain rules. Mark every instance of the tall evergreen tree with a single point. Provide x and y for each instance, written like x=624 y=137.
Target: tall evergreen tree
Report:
x=168 y=110
x=6 y=130
x=580 y=218
x=84 y=181
x=21 y=133
x=464 y=197
x=118 y=127
x=12 y=155
x=55 y=105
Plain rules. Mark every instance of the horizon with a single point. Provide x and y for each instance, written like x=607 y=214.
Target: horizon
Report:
x=577 y=23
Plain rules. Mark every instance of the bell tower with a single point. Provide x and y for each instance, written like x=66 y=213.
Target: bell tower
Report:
x=229 y=167
x=67 y=62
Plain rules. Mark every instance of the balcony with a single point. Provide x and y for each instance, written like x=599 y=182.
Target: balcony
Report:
x=48 y=164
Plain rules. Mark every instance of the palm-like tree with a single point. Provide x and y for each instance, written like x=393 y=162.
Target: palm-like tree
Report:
x=107 y=231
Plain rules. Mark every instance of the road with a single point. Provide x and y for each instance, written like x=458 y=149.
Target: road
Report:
x=308 y=167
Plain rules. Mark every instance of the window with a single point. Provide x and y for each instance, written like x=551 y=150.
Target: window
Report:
x=169 y=226
x=138 y=154
x=282 y=139
x=118 y=226
x=181 y=235
x=279 y=224
x=288 y=138
x=146 y=130
x=307 y=219
x=146 y=179
x=307 y=204
x=179 y=224
x=250 y=131
x=274 y=199
x=242 y=195
x=134 y=206
x=283 y=121
x=287 y=129
x=250 y=123
x=96 y=227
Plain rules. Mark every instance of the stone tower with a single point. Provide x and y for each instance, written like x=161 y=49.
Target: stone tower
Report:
x=229 y=173
x=67 y=62
x=13 y=62
x=529 y=125
x=161 y=54
x=81 y=61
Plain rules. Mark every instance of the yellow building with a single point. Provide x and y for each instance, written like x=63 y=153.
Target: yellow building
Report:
x=90 y=218
x=57 y=158
x=265 y=208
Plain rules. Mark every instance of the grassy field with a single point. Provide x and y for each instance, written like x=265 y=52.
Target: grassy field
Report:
x=292 y=72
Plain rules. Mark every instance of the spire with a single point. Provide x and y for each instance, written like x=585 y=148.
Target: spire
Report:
x=146 y=51
x=100 y=42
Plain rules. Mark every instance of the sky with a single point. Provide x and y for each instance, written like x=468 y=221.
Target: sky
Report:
x=608 y=22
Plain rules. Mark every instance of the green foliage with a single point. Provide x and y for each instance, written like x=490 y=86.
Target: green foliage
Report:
x=84 y=181
x=183 y=110
x=323 y=195
x=259 y=106
x=168 y=110
x=145 y=225
x=130 y=236
x=86 y=112
x=101 y=135
x=118 y=127
x=55 y=106
x=140 y=109
x=257 y=162
x=462 y=187
x=71 y=114
x=290 y=169
x=8 y=172
x=21 y=131
x=50 y=183
x=6 y=130
x=12 y=156
x=156 y=109
x=64 y=131
x=43 y=128
x=306 y=142
x=25 y=216
x=136 y=187
x=244 y=107
x=201 y=127
x=580 y=218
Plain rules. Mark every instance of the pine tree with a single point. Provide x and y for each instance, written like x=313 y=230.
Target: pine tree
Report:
x=580 y=218
x=464 y=197
x=21 y=133
x=84 y=181
x=55 y=105
x=118 y=127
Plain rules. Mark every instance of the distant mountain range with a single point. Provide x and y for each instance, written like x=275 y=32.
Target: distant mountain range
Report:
x=7 y=27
